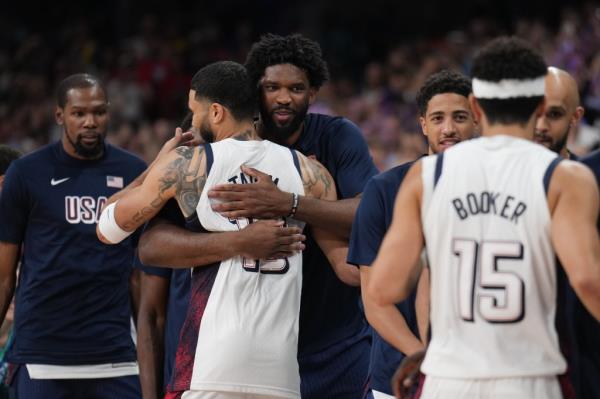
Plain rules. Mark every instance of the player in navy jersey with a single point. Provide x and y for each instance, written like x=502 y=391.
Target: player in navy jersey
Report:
x=561 y=116
x=446 y=119
x=334 y=338
x=585 y=330
x=72 y=316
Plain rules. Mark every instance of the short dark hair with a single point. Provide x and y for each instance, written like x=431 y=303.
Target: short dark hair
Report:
x=508 y=58
x=7 y=155
x=227 y=83
x=77 y=81
x=445 y=81
x=294 y=49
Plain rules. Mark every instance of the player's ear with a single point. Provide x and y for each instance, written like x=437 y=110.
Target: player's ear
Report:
x=59 y=115
x=577 y=115
x=216 y=112
x=312 y=95
x=475 y=108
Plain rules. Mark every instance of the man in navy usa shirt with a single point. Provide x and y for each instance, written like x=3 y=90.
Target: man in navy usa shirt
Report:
x=72 y=308
x=446 y=119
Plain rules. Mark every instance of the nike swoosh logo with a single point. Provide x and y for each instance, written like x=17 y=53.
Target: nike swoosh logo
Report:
x=55 y=182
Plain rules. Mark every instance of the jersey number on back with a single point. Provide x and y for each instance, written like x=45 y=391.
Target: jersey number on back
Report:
x=499 y=295
x=265 y=266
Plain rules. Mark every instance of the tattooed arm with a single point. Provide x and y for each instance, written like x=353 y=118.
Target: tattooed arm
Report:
x=180 y=174
x=319 y=184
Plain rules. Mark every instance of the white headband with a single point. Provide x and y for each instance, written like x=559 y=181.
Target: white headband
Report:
x=509 y=88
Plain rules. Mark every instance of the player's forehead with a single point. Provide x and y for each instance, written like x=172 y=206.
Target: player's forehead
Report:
x=284 y=74
x=86 y=97
x=447 y=103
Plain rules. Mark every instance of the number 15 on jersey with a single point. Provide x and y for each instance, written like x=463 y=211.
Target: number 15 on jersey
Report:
x=497 y=295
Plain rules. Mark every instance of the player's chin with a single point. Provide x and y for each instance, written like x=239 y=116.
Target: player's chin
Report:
x=541 y=141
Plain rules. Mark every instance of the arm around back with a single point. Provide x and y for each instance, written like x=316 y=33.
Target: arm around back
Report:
x=319 y=184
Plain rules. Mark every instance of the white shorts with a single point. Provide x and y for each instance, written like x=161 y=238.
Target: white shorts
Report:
x=496 y=388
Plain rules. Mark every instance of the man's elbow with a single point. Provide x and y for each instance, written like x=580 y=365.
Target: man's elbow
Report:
x=348 y=274
x=587 y=285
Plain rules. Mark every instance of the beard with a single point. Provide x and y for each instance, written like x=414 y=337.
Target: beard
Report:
x=558 y=145
x=554 y=146
x=88 y=151
x=206 y=133
x=280 y=133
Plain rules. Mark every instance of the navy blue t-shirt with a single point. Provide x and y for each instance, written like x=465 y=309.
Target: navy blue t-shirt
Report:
x=372 y=220
x=72 y=300
x=179 y=295
x=585 y=333
x=329 y=310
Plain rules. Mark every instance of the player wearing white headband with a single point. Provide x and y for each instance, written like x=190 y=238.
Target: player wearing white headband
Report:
x=508 y=207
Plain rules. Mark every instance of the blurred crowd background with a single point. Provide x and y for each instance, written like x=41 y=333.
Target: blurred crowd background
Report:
x=379 y=54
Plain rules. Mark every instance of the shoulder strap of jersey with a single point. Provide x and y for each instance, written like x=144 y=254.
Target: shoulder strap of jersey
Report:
x=428 y=168
x=549 y=171
x=296 y=161
x=439 y=164
x=209 y=157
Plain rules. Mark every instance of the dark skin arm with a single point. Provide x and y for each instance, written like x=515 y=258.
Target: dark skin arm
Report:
x=135 y=292
x=264 y=200
x=151 y=334
x=263 y=239
x=9 y=258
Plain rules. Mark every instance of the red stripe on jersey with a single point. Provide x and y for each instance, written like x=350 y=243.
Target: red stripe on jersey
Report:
x=202 y=282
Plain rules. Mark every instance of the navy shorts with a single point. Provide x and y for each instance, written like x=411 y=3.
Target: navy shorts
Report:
x=23 y=387
x=338 y=372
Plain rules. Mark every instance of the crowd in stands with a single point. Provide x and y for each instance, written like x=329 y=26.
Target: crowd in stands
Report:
x=148 y=72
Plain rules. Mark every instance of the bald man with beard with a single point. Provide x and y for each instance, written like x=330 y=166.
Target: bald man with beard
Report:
x=577 y=328
x=562 y=113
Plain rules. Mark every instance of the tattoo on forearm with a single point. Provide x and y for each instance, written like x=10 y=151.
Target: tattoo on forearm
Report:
x=185 y=176
x=315 y=174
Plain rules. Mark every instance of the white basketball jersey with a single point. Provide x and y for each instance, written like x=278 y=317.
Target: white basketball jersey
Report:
x=248 y=336
x=493 y=280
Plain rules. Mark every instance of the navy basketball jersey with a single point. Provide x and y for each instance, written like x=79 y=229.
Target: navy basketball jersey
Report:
x=72 y=299
x=330 y=309
x=372 y=220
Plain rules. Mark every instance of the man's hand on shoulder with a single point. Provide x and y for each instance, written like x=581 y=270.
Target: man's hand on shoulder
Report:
x=269 y=239
x=261 y=199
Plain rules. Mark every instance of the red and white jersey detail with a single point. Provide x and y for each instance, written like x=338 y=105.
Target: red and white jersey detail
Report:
x=241 y=334
x=493 y=273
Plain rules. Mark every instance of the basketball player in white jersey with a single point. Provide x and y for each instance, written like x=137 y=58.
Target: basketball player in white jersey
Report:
x=506 y=205
x=240 y=336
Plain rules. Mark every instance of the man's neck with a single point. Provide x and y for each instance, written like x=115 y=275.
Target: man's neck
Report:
x=242 y=131
x=564 y=153
x=514 y=130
